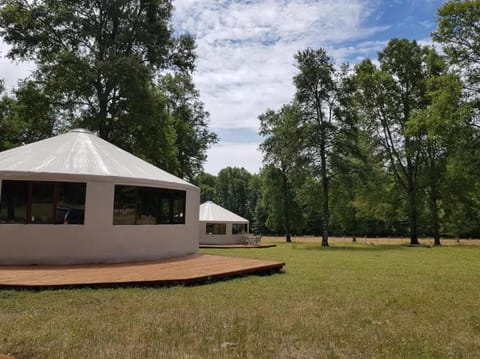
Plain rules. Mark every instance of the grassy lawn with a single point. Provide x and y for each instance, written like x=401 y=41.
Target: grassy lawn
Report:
x=347 y=301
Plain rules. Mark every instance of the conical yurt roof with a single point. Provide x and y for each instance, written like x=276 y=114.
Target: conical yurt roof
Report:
x=80 y=153
x=211 y=212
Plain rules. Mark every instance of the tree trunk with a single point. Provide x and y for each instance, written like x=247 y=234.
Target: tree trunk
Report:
x=325 y=204
x=354 y=225
x=286 y=213
x=434 y=208
x=412 y=211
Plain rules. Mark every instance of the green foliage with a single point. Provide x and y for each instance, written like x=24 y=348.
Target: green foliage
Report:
x=190 y=122
x=282 y=146
x=208 y=185
x=232 y=190
x=27 y=116
x=459 y=33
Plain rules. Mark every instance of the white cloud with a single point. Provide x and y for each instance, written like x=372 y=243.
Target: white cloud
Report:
x=245 y=48
x=11 y=72
x=232 y=154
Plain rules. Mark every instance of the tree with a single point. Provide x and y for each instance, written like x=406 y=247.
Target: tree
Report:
x=281 y=153
x=391 y=95
x=316 y=96
x=207 y=183
x=190 y=121
x=27 y=116
x=459 y=33
x=102 y=62
x=440 y=124
x=232 y=190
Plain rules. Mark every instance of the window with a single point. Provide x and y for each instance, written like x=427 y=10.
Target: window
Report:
x=35 y=202
x=239 y=228
x=216 y=228
x=148 y=205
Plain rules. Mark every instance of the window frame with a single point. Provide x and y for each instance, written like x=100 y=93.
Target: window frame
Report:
x=55 y=200
x=162 y=194
x=215 y=224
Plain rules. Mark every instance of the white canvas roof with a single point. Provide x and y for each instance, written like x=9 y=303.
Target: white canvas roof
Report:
x=211 y=212
x=81 y=153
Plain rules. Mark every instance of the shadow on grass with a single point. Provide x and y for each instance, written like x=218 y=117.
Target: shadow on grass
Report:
x=352 y=247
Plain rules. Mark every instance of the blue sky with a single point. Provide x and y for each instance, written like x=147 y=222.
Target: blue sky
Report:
x=245 y=55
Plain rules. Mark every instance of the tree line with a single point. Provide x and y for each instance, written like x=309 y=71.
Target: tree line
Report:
x=389 y=146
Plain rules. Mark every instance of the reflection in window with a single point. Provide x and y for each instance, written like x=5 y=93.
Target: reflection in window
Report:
x=14 y=201
x=216 y=228
x=125 y=205
x=239 y=228
x=70 y=203
x=42 y=203
x=35 y=202
x=148 y=205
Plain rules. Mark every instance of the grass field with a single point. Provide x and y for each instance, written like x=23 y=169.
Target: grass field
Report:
x=347 y=301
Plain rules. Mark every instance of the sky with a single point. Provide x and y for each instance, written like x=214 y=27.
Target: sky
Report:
x=245 y=55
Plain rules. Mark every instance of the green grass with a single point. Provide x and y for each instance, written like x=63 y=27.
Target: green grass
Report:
x=362 y=301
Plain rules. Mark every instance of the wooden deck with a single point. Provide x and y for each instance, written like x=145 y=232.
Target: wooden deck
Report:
x=185 y=270
x=236 y=246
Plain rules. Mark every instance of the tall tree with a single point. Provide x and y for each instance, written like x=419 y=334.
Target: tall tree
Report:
x=281 y=153
x=459 y=33
x=103 y=60
x=316 y=96
x=232 y=190
x=189 y=121
x=440 y=124
x=391 y=95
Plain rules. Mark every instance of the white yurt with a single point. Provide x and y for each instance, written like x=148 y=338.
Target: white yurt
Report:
x=220 y=226
x=76 y=198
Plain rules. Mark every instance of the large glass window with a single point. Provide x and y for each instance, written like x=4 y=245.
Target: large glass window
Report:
x=148 y=205
x=216 y=228
x=35 y=202
x=239 y=228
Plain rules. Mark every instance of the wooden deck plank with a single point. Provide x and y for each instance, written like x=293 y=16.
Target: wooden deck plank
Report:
x=193 y=268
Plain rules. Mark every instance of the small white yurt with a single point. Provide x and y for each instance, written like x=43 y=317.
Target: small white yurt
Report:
x=220 y=226
x=76 y=198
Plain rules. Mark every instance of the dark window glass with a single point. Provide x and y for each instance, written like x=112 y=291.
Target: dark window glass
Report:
x=216 y=228
x=165 y=209
x=14 y=202
x=125 y=207
x=239 y=228
x=42 y=203
x=148 y=205
x=179 y=207
x=70 y=203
